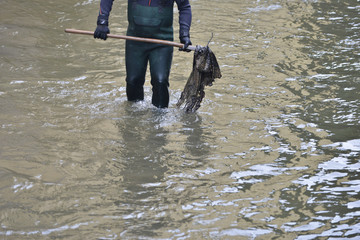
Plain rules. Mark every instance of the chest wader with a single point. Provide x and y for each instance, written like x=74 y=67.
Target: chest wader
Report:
x=149 y=22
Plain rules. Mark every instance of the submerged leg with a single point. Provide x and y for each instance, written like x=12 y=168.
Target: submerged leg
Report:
x=160 y=64
x=136 y=64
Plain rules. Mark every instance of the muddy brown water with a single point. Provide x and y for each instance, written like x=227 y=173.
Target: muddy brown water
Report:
x=272 y=153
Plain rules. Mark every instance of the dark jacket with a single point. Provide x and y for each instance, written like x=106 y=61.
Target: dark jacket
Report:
x=183 y=7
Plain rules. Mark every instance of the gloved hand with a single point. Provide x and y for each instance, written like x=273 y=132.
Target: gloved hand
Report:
x=102 y=28
x=185 y=39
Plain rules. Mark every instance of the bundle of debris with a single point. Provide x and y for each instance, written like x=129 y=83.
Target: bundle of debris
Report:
x=205 y=70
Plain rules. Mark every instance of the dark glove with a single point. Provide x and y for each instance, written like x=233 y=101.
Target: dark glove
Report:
x=185 y=39
x=102 y=28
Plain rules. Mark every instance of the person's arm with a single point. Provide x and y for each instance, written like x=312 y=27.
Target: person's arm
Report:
x=102 y=28
x=185 y=16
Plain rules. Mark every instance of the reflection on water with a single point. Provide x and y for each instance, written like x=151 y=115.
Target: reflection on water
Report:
x=273 y=152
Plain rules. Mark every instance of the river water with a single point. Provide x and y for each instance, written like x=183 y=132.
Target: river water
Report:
x=272 y=153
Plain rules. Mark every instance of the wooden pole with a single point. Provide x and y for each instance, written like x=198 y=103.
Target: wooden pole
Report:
x=139 y=39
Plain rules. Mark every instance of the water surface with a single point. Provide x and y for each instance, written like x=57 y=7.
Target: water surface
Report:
x=272 y=153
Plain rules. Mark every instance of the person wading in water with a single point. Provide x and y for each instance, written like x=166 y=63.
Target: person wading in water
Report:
x=149 y=19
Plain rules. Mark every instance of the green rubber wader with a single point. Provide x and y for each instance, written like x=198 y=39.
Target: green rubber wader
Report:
x=149 y=22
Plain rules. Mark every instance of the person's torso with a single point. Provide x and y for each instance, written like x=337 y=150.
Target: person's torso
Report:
x=153 y=3
x=151 y=18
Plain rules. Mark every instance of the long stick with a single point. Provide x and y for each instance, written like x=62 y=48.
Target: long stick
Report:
x=139 y=39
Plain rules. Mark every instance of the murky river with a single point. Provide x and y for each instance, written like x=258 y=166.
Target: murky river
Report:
x=272 y=153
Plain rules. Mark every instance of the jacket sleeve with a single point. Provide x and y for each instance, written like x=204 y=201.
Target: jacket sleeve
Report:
x=105 y=8
x=185 y=16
